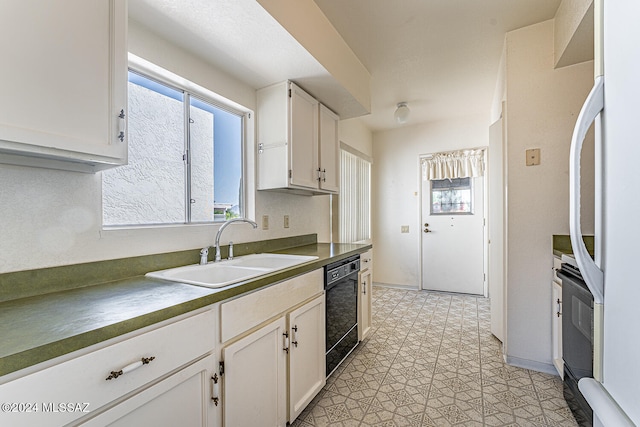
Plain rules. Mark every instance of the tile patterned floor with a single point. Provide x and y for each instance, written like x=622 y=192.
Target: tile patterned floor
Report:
x=431 y=361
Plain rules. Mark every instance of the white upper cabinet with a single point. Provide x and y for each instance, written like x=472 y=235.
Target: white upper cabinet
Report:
x=64 y=84
x=328 y=151
x=303 y=147
x=297 y=141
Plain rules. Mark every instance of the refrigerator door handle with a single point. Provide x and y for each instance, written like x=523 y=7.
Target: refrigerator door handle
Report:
x=590 y=271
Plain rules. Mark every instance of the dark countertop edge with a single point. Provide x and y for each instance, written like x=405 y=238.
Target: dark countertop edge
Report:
x=33 y=356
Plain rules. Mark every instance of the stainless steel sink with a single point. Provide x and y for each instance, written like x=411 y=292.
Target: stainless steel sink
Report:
x=225 y=273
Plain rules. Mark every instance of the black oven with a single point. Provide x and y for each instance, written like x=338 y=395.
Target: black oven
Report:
x=577 y=340
x=341 y=292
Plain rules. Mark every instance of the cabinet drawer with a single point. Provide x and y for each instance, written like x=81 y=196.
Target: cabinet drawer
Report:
x=83 y=380
x=243 y=313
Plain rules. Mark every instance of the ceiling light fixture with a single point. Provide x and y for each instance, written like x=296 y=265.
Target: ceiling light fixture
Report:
x=402 y=113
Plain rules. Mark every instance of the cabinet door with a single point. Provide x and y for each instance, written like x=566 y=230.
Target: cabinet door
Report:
x=556 y=327
x=303 y=144
x=254 y=379
x=65 y=82
x=307 y=355
x=364 y=304
x=329 y=153
x=183 y=399
x=365 y=279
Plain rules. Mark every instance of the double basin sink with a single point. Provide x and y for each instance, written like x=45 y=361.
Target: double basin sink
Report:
x=228 y=272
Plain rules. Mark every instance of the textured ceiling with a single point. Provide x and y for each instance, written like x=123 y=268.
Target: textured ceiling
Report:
x=440 y=56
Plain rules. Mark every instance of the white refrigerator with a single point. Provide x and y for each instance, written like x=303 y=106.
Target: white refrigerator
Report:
x=614 y=275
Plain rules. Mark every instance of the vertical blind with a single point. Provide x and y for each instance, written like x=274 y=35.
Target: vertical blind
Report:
x=355 y=198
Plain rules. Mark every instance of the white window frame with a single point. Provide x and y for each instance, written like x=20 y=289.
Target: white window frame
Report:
x=470 y=188
x=163 y=76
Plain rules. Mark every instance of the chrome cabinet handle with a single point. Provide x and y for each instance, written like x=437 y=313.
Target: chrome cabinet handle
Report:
x=285 y=343
x=130 y=367
x=559 y=310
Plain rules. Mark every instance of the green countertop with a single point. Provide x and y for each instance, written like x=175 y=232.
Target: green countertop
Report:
x=562 y=244
x=38 y=328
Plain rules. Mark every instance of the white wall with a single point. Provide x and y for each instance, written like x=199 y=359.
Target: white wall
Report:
x=356 y=134
x=542 y=104
x=52 y=218
x=396 y=186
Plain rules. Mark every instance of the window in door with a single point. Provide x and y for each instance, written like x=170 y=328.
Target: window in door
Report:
x=185 y=159
x=451 y=196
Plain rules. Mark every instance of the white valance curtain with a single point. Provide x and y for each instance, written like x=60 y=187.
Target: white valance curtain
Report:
x=454 y=164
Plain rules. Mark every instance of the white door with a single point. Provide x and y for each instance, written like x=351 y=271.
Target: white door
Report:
x=303 y=146
x=329 y=150
x=307 y=367
x=183 y=399
x=364 y=304
x=453 y=243
x=255 y=378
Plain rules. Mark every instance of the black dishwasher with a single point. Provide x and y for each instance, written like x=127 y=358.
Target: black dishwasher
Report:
x=577 y=340
x=341 y=293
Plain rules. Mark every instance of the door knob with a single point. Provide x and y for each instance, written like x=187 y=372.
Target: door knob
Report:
x=426 y=230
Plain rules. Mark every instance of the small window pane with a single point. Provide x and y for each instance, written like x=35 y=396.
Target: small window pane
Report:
x=226 y=191
x=201 y=133
x=151 y=188
x=451 y=196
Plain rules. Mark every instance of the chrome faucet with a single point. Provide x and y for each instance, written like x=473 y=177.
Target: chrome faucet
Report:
x=205 y=251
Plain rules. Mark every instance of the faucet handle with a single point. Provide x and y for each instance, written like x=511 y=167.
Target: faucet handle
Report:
x=204 y=256
x=230 y=250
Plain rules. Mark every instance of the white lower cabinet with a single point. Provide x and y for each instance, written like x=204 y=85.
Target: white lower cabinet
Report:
x=254 y=378
x=307 y=371
x=129 y=380
x=271 y=345
x=556 y=319
x=365 y=283
x=364 y=305
x=556 y=329
x=183 y=399
x=272 y=371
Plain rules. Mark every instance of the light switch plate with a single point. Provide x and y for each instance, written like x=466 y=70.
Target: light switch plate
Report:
x=533 y=157
x=404 y=229
x=265 y=222
x=286 y=221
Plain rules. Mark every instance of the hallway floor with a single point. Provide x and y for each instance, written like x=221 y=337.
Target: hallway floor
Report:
x=431 y=361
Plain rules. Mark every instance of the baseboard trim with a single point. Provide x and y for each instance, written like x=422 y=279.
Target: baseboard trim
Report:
x=391 y=285
x=532 y=365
